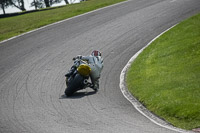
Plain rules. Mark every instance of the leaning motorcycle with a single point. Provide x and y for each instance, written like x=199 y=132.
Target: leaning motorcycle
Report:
x=78 y=80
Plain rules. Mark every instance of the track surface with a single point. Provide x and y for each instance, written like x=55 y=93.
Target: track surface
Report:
x=32 y=69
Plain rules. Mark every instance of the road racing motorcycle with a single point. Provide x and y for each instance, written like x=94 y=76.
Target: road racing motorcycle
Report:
x=79 y=79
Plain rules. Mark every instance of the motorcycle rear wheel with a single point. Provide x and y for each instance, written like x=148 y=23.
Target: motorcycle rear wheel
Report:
x=74 y=85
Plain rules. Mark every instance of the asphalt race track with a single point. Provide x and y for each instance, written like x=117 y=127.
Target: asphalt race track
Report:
x=32 y=69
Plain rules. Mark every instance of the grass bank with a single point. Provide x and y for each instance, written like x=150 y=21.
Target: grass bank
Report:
x=165 y=77
x=16 y=25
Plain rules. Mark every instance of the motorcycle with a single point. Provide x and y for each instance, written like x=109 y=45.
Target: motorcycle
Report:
x=78 y=80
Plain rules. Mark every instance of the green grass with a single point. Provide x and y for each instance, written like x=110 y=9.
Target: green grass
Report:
x=165 y=77
x=13 y=26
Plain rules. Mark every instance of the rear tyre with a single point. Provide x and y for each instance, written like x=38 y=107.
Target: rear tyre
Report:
x=74 y=85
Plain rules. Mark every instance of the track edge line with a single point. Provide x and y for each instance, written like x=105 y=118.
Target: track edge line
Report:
x=61 y=21
x=138 y=106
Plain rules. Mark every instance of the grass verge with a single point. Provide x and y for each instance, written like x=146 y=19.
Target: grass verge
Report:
x=165 y=77
x=16 y=25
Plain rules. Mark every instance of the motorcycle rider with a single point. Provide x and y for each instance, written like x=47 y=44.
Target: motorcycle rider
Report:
x=95 y=62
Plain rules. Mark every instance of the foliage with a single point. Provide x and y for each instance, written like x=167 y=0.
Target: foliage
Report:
x=46 y=3
x=37 y=4
x=165 y=77
x=4 y=4
x=30 y=21
x=18 y=4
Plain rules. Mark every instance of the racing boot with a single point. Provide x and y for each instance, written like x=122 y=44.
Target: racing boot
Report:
x=96 y=86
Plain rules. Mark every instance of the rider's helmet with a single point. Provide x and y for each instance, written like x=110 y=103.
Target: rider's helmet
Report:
x=96 y=53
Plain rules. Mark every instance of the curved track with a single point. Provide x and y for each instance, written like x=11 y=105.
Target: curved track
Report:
x=32 y=69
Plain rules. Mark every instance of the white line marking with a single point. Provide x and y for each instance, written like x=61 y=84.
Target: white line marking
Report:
x=136 y=103
x=64 y=20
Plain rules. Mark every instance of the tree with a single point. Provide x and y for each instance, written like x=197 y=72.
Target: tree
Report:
x=66 y=1
x=54 y=1
x=4 y=4
x=42 y=4
x=18 y=4
x=37 y=4
x=48 y=3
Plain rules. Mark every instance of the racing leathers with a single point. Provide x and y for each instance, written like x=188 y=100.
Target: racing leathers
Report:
x=96 y=65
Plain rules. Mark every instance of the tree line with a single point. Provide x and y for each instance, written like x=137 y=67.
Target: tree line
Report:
x=20 y=4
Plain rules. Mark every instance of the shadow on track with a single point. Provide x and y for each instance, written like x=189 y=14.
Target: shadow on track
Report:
x=78 y=95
